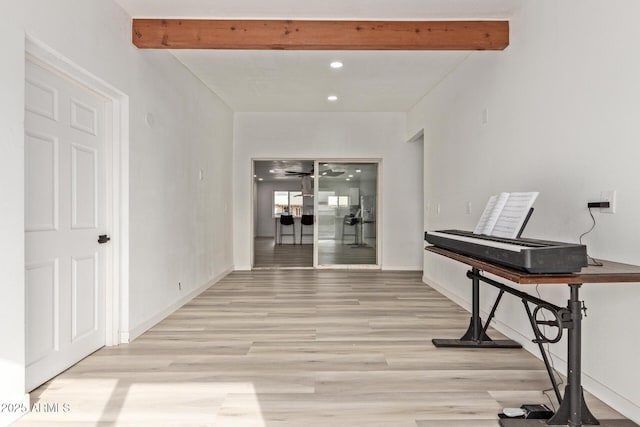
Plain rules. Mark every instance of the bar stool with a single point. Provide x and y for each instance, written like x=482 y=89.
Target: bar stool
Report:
x=286 y=220
x=352 y=221
x=306 y=220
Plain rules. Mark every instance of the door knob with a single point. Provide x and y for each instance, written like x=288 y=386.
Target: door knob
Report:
x=103 y=238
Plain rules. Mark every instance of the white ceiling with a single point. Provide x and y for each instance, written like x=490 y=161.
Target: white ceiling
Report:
x=302 y=80
x=275 y=80
x=325 y=9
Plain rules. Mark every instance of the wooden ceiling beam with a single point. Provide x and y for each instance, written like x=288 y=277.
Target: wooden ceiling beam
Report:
x=320 y=35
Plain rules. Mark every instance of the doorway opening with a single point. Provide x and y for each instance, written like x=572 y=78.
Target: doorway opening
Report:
x=316 y=214
x=283 y=214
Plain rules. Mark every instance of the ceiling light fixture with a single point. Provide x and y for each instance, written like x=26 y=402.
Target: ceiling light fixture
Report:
x=332 y=98
x=324 y=173
x=336 y=64
x=325 y=164
x=260 y=179
x=348 y=179
x=272 y=171
x=358 y=171
x=350 y=176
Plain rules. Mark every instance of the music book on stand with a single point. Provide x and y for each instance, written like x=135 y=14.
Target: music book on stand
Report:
x=505 y=214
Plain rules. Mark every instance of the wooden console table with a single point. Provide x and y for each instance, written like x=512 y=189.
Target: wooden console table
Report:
x=573 y=410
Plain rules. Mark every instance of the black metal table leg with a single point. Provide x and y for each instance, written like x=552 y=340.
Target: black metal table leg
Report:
x=574 y=411
x=475 y=335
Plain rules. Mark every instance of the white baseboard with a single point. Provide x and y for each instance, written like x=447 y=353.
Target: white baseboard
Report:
x=611 y=398
x=593 y=386
x=20 y=407
x=241 y=268
x=157 y=318
x=401 y=268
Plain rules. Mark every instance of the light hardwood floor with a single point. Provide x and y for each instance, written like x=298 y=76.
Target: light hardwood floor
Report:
x=268 y=254
x=333 y=252
x=300 y=348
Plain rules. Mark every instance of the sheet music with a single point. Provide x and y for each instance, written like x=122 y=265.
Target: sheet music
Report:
x=513 y=214
x=491 y=214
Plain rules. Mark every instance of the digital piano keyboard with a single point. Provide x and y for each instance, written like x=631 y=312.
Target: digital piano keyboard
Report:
x=533 y=256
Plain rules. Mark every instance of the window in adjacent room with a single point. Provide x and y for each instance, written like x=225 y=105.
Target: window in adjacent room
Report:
x=287 y=202
x=338 y=201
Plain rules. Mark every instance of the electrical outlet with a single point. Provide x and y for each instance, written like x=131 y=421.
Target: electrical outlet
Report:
x=608 y=196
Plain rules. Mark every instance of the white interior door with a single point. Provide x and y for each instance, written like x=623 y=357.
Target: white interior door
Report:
x=65 y=198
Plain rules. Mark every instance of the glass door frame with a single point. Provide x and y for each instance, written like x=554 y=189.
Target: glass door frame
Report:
x=253 y=203
x=378 y=217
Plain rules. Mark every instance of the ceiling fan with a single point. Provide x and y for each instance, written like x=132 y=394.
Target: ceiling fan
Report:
x=326 y=172
x=298 y=173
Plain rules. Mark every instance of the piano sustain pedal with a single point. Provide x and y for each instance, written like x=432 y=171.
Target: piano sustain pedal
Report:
x=529 y=411
x=536 y=411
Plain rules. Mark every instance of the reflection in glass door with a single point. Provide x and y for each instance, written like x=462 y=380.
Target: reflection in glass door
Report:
x=346 y=212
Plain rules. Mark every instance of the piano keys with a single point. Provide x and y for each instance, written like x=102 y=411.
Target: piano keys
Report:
x=531 y=255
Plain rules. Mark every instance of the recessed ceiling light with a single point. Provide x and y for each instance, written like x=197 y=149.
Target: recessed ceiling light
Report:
x=255 y=176
x=325 y=164
x=348 y=179
x=272 y=171
x=324 y=173
x=336 y=64
x=358 y=171
x=350 y=176
x=332 y=98
x=312 y=176
x=260 y=179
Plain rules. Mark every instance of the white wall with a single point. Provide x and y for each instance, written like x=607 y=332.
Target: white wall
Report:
x=563 y=119
x=12 y=218
x=180 y=226
x=333 y=136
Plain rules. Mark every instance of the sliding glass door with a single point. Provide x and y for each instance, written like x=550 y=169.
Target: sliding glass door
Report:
x=346 y=208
